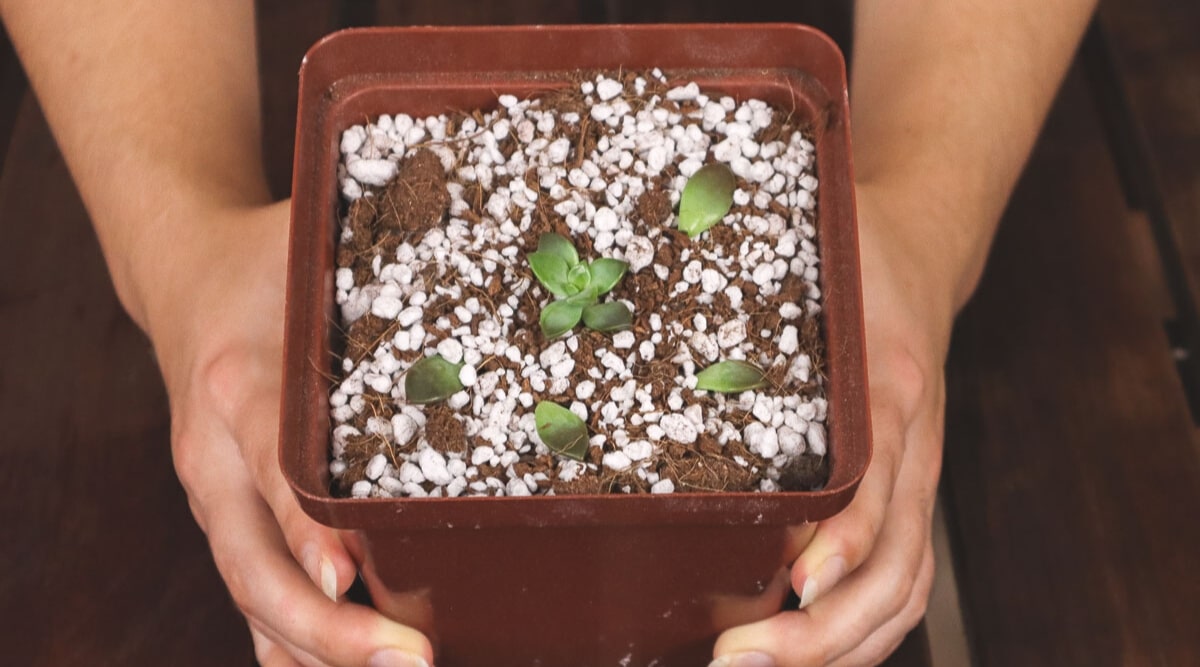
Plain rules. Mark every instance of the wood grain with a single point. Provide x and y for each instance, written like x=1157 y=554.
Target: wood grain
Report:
x=101 y=561
x=1071 y=457
x=1145 y=65
x=834 y=18
x=286 y=30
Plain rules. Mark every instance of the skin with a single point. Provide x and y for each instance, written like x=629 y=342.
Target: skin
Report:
x=947 y=99
x=155 y=107
x=173 y=181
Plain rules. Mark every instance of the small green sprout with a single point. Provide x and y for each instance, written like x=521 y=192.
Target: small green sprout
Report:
x=578 y=286
x=432 y=379
x=706 y=199
x=561 y=430
x=731 y=377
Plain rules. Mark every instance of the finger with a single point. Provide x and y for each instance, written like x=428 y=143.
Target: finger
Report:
x=864 y=601
x=268 y=653
x=286 y=652
x=841 y=543
x=271 y=589
x=834 y=625
x=248 y=388
x=884 y=641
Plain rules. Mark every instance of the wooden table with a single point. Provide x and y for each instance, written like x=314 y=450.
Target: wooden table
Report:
x=1072 y=483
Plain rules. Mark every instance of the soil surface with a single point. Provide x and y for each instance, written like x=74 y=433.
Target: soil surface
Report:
x=441 y=215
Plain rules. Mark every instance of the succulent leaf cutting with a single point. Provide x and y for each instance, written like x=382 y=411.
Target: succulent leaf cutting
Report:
x=432 y=379
x=561 y=430
x=578 y=286
x=706 y=199
x=731 y=377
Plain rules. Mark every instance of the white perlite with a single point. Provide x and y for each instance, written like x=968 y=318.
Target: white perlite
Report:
x=448 y=269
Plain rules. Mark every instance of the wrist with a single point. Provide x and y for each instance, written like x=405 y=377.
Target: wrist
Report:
x=174 y=266
x=916 y=272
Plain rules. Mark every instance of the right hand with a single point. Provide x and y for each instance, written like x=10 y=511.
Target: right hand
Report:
x=865 y=577
x=217 y=327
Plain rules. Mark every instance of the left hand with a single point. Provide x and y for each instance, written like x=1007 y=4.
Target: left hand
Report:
x=217 y=322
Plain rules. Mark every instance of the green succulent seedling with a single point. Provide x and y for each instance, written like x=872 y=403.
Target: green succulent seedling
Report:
x=562 y=430
x=731 y=377
x=432 y=379
x=706 y=199
x=577 y=286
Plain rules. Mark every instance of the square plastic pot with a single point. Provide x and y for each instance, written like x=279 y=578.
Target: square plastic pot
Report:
x=581 y=580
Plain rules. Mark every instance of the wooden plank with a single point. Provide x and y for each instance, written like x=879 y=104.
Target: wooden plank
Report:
x=285 y=32
x=1146 y=68
x=834 y=18
x=505 y=12
x=1071 y=455
x=101 y=562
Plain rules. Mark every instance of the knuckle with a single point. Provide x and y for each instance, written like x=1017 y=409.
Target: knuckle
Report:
x=916 y=611
x=262 y=648
x=860 y=538
x=905 y=381
x=919 y=597
x=896 y=595
x=324 y=643
x=882 y=650
x=238 y=580
x=187 y=458
x=887 y=459
x=222 y=376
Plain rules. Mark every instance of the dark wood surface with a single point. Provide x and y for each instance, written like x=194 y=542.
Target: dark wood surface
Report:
x=101 y=563
x=1072 y=469
x=1072 y=475
x=1071 y=464
x=1145 y=69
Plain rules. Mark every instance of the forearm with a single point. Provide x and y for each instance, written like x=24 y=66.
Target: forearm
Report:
x=155 y=107
x=948 y=97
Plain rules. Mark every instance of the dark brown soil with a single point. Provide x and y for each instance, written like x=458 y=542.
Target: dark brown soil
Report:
x=444 y=433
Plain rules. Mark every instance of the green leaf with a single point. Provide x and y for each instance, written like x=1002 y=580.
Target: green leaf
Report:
x=432 y=379
x=606 y=317
x=551 y=272
x=578 y=278
x=606 y=273
x=585 y=298
x=559 y=317
x=559 y=246
x=706 y=198
x=562 y=430
x=731 y=377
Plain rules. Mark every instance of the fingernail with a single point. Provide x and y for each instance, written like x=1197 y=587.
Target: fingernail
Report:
x=310 y=558
x=809 y=592
x=329 y=579
x=393 y=657
x=753 y=659
x=824 y=578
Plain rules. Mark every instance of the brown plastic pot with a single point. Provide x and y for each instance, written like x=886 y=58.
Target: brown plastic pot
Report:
x=582 y=580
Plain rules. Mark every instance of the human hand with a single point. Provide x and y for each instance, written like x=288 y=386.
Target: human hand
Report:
x=217 y=327
x=864 y=579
